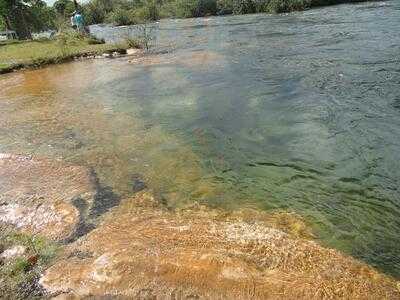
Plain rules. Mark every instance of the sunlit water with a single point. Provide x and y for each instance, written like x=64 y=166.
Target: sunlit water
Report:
x=298 y=112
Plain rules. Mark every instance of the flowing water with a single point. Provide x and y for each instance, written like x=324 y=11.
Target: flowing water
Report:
x=299 y=112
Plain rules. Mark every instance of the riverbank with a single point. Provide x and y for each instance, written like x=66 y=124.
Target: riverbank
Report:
x=34 y=54
x=141 y=248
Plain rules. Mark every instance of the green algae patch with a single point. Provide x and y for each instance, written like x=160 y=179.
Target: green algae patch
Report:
x=23 y=258
x=34 y=54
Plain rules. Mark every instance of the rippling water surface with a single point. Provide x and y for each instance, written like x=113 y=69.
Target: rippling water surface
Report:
x=298 y=112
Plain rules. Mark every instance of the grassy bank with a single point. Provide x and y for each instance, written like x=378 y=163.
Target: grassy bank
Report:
x=31 y=54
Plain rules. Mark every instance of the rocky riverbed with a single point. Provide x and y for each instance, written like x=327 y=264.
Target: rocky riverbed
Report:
x=142 y=249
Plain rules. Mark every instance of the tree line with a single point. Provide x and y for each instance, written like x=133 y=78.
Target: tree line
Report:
x=26 y=16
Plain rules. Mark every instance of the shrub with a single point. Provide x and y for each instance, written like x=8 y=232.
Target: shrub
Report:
x=195 y=8
x=91 y=40
x=185 y=8
x=62 y=44
x=133 y=43
x=150 y=11
x=139 y=37
x=206 y=7
x=249 y=6
x=280 y=6
x=168 y=10
x=224 y=7
x=145 y=36
x=96 y=11
x=120 y=17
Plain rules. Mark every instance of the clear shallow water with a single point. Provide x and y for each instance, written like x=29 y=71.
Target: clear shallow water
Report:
x=298 y=112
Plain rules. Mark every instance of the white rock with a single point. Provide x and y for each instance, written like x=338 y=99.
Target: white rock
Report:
x=132 y=51
x=13 y=252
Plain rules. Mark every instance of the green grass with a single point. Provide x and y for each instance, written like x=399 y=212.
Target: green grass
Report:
x=19 y=276
x=37 y=53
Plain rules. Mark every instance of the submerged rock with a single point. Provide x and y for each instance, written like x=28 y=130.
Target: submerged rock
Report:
x=38 y=195
x=137 y=183
x=134 y=51
x=142 y=250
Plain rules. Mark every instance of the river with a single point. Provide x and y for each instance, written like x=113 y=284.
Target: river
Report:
x=297 y=112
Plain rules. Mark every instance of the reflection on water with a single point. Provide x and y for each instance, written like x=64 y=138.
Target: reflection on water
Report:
x=297 y=112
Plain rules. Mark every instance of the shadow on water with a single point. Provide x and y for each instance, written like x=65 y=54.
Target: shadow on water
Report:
x=104 y=199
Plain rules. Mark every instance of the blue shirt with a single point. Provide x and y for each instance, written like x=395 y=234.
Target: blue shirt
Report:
x=78 y=19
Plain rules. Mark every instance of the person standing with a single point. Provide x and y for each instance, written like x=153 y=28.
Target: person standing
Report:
x=78 y=20
x=73 y=24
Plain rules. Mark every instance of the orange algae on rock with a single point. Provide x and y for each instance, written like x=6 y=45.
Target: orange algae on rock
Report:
x=142 y=250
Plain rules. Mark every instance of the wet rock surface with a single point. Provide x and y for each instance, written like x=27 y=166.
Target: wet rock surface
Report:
x=138 y=183
x=143 y=250
x=38 y=195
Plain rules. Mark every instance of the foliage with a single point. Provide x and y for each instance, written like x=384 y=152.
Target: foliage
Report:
x=91 y=40
x=121 y=16
x=224 y=7
x=120 y=12
x=269 y=6
x=185 y=8
x=280 y=6
x=64 y=7
x=190 y=8
x=67 y=39
x=145 y=36
x=62 y=41
x=141 y=38
x=150 y=11
x=2 y=24
x=25 y=16
x=133 y=43
x=127 y=12
x=97 y=11
x=41 y=17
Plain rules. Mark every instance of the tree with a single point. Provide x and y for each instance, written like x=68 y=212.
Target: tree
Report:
x=96 y=11
x=25 y=16
x=40 y=16
x=64 y=7
x=13 y=13
x=2 y=25
x=5 y=10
